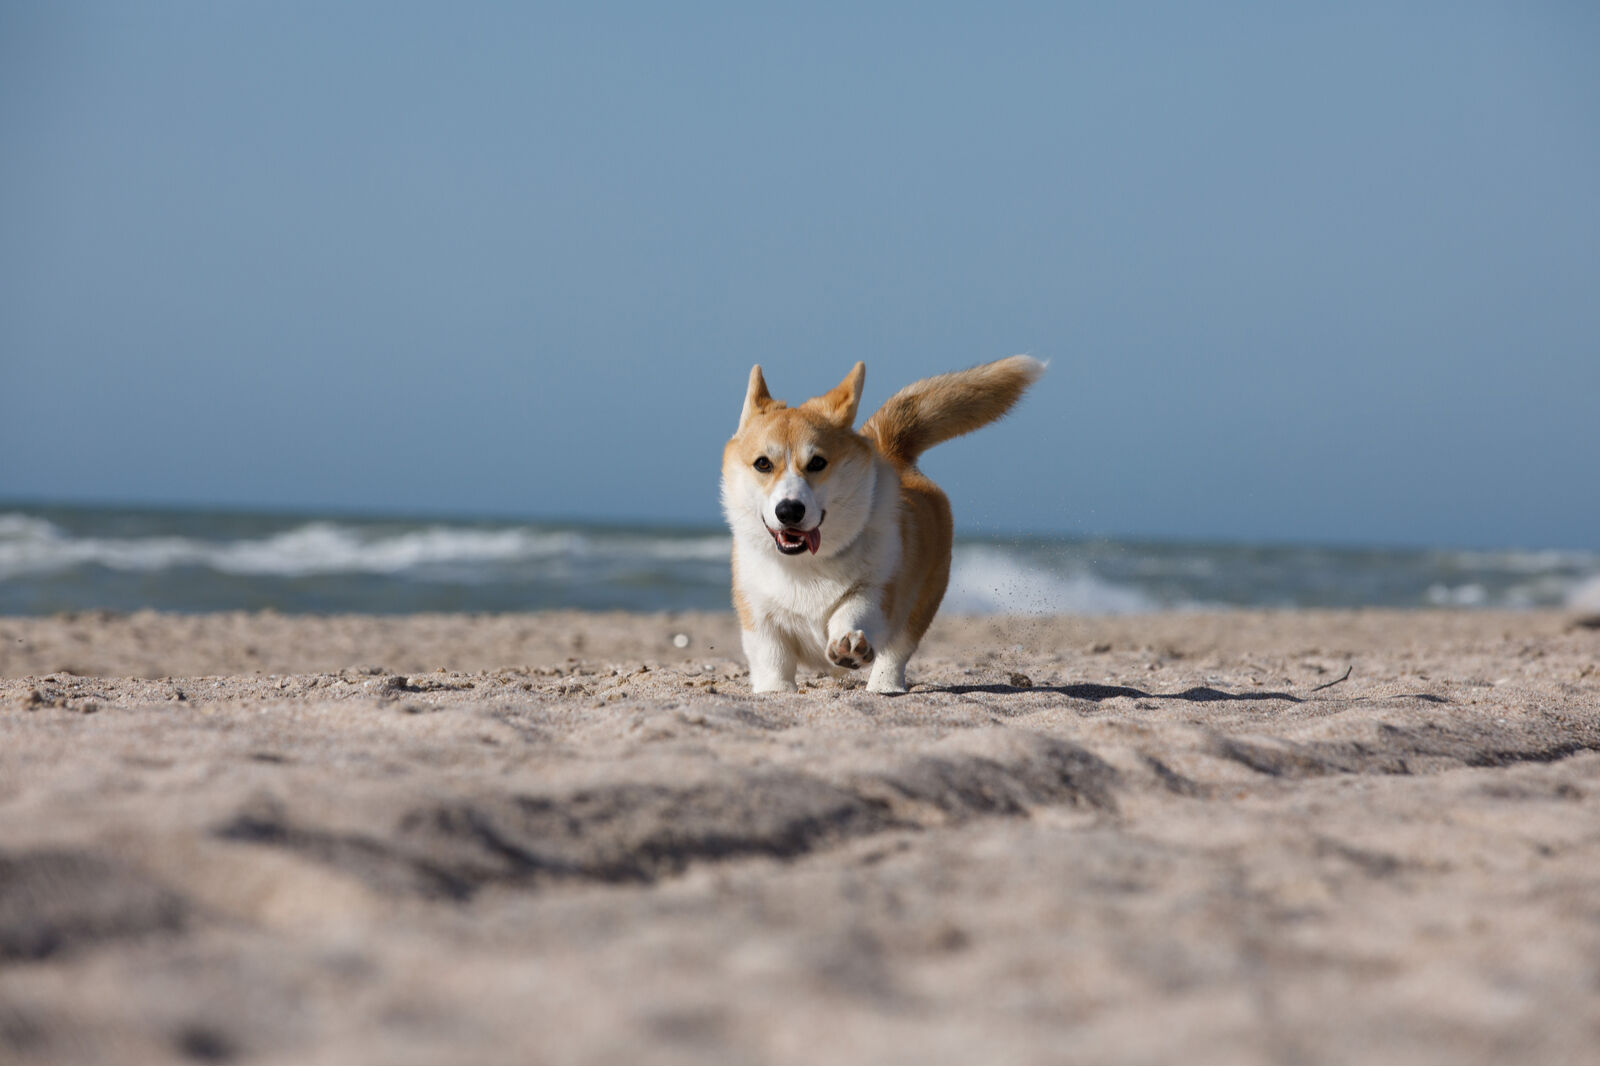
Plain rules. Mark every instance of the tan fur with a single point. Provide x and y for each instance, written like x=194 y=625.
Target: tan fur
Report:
x=927 y=534
x=948 y=405
x=877 y=532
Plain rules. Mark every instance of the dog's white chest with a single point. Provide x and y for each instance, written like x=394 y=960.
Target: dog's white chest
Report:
x=804 y=588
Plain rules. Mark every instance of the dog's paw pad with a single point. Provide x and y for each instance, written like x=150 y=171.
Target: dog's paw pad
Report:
x=851 y=650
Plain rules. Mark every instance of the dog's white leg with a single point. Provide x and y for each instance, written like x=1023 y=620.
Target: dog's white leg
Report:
x=889 y=670
x=854 y=632
x=772 y=662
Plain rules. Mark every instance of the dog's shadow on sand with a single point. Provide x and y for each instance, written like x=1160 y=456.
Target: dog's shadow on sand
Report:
x=1199 y=694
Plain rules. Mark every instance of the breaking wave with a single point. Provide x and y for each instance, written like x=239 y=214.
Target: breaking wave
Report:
x=57 y=559
x=31 y=545
x=987 y=581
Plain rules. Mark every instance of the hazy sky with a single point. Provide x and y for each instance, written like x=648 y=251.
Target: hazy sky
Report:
x=1304 y=272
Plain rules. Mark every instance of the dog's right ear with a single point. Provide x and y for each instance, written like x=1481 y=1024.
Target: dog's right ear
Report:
x=756 y=397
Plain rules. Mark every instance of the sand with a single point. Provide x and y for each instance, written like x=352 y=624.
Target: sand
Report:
x=1192 y=838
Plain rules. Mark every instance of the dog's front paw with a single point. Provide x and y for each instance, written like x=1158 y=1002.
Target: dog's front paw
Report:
x=851 y=650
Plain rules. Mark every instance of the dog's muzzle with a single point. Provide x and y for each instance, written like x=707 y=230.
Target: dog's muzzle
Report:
x=792 y=541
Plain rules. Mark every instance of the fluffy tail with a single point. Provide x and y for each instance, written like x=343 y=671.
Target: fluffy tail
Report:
x=948 y=405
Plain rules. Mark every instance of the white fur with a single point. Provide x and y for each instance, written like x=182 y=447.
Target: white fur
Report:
x=801 y=603
x=792 y=487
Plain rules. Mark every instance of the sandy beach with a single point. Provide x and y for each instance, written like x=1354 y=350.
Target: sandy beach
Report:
x=1324 y=836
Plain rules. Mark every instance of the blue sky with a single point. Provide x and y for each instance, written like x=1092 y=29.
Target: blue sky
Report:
x=1303 y=272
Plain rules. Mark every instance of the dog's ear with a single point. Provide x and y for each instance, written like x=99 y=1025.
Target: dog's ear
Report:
x=756 y=397
x=838 y=405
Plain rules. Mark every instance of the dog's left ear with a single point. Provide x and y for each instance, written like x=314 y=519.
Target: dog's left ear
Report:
x=838 y=405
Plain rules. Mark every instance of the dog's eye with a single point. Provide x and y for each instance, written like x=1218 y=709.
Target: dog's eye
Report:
x=763 y=464
x=816 y=464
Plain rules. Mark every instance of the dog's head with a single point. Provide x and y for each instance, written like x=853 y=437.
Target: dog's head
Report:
x=798 y=478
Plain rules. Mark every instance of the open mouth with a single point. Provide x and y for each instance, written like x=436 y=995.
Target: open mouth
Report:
x=792 y=541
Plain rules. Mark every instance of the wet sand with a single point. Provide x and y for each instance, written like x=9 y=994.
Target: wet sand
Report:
x=1363 y=837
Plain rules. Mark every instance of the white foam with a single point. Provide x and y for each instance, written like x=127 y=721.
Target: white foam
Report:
x=1523 y=561
x=1468 y=595
x=33 y=546
x=327 y=548
x=16 y=526
x=689 y=549
x=986 y=581
x=1585 y=596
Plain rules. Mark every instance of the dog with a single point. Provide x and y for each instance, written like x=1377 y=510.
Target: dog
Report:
x=841 y=547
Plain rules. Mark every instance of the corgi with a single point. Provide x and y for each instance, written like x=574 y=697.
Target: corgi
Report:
x=841 y=547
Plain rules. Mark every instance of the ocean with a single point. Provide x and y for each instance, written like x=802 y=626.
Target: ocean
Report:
x=59 y=559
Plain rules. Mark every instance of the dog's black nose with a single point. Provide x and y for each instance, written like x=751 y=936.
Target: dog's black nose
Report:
x=790 y=512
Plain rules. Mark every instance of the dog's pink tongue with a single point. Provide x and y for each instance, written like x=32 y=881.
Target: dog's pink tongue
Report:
x=813 y=539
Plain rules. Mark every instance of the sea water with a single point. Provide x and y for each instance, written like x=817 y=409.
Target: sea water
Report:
x=56 y=559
